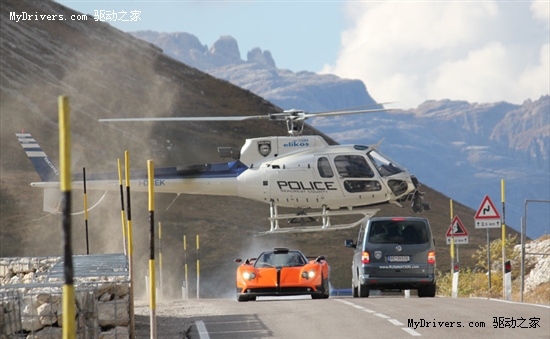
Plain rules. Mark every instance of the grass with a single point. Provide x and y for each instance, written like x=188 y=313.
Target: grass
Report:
x=475 y=283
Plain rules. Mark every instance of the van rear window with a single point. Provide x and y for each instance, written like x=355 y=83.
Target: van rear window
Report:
x=398 y=231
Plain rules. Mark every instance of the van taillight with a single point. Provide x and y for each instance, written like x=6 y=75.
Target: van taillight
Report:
x=365 y=258
x=431 y=257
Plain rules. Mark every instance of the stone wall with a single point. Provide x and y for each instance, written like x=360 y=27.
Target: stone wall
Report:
x=31 y=298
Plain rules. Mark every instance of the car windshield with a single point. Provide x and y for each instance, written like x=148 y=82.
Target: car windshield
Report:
x=276 y=259
x=386 y=167
x=398 y=231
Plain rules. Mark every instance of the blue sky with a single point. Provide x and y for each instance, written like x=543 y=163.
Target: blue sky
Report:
x=404 y=51
x=301 y=35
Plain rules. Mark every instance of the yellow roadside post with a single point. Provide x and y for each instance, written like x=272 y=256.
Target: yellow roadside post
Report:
x=160 y=260
x=85 y=209
x=452 y=240
x=122 y=213
x=503 y=242
x=68 y=303
x=198 y=269
x=152 y=287
x=130 y=243
x=186 y=294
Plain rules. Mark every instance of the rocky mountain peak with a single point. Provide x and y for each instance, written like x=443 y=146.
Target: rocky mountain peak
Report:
x=226 y=47
x=257 y=56
x=259 y=74
x=190 y=41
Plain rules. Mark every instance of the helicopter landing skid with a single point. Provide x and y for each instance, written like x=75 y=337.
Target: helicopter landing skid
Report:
x=325 y=215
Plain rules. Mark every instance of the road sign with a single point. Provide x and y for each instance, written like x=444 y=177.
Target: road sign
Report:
x=458 y=231
x=457 y=228
x=458 y=240
x=487 y=215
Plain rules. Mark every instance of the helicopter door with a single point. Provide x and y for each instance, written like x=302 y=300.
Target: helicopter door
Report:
x=357 y=178
x=326 y=175
x=294 y=184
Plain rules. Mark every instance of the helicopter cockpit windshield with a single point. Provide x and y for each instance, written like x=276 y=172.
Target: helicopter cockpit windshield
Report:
x=386 y=167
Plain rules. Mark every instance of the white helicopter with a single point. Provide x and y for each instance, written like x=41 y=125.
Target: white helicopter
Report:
x=295 y=171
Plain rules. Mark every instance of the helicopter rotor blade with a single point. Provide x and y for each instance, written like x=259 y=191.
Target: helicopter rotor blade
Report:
x=228 y=118
x=355 y=108
x=291 y=114
x=333 y=113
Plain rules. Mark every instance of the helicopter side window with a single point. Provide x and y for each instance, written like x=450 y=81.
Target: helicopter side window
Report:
x=324 y=168
x=356 y=186
x=353 y=166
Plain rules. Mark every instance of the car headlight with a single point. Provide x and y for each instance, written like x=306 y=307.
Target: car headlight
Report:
x=308 y=275
x=249 y=275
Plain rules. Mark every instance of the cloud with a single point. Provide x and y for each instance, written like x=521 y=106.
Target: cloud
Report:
x=476 y=51
x=541 y=11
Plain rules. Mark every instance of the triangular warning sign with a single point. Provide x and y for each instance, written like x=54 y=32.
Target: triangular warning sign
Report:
x=487 y=210
x=457 y=229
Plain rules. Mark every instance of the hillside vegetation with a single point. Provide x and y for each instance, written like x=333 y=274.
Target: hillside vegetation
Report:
x=475 y=282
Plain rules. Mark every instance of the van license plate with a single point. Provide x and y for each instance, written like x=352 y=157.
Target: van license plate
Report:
x=398 y=258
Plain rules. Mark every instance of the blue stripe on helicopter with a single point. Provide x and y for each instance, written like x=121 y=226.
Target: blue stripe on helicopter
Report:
x=48 y=172
x=43 y=165
x=221 y=170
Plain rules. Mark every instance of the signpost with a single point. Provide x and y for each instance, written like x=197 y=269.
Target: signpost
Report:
x=456 y=234
x=457 y=231
x=487 y=217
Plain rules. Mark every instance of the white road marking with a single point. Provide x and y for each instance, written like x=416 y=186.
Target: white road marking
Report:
x=411 y=331
x=512 y=302
x=383 y=316
x=203 y=333
x=396 y=322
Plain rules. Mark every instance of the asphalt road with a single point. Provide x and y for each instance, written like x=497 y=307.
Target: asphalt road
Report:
x=346 y=317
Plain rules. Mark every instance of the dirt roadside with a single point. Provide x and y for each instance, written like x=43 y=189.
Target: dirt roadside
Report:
x=174 y=318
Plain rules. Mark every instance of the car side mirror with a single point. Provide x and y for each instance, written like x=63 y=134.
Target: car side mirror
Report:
x=238 y=260
x=350 y=243
x=319 y=258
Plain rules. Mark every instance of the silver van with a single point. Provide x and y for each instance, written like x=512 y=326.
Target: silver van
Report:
x=394 y=253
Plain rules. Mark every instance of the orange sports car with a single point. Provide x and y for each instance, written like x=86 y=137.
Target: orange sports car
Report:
x=282 y=272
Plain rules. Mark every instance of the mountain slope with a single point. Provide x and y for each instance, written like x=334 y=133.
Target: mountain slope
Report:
x=259 y=74
x=107 y=73
x=467 y=149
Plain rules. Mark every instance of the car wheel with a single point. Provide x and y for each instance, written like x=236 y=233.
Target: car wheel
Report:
x=241 y=298
x=325 y=290
x=354 y=290
x=363 y=291
x=427 y=291
x=326 y=287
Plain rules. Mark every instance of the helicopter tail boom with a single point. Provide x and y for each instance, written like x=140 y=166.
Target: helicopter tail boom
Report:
x=43 y=165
